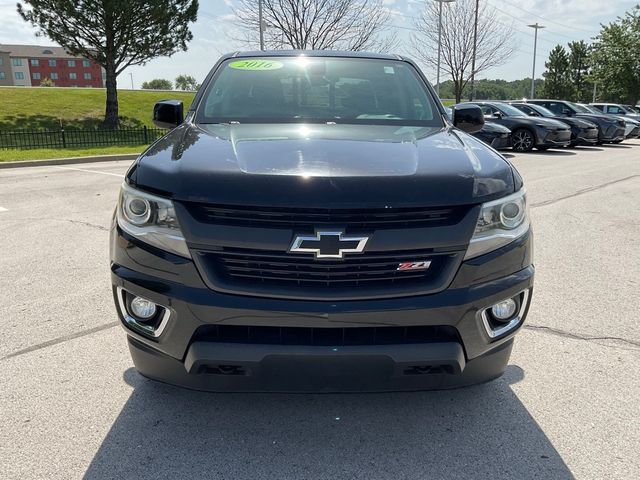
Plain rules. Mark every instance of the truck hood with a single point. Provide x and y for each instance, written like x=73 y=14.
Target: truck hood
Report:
x=320 y=165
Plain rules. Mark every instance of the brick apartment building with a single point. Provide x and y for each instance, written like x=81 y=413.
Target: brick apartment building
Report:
x=28 y=65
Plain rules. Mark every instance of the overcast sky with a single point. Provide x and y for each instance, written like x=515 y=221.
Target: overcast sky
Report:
x=565 y=20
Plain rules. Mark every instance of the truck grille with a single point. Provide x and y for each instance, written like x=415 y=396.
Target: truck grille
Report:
x=256 y=271
x=321 y=336
x=297 y=218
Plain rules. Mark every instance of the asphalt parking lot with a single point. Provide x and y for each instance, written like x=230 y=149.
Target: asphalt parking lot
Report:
x=72 y=405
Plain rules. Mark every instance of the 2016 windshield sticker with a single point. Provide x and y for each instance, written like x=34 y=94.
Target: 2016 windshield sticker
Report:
x=256 y=64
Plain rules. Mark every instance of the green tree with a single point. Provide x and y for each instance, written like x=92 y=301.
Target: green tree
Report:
x=616 y=59
x=157 y=84
x=557 y=76
x=579 y=70
x=47 y=82
x=186 y=82
x=114 y=33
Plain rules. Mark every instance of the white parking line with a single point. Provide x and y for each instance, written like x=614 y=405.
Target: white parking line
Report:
x=2 y=209
x=91 y=171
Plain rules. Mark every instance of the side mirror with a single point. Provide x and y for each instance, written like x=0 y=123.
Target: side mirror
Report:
x=168 y=113
x=468 y=118
x=498 y=114
x=566 y=112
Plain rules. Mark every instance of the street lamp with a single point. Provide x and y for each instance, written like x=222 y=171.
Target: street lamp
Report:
x=260 y=24
x=535 y=51
x=475 y=51
x=440 y=40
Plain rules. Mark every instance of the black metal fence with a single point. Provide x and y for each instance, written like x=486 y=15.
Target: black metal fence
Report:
x=72 y=138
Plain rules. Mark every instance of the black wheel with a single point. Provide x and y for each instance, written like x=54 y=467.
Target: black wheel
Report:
x=522 y=140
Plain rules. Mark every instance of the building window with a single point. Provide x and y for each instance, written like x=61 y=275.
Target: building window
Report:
x=35 y=75
x=54 y=76
x=87 y=76
x=1 y=75
x=73 y=76
x=16 y=62
x=52 y=62
x=1 y=61
x=71 y=63
x=86 y=63
x=19 y=76
x=35 y=62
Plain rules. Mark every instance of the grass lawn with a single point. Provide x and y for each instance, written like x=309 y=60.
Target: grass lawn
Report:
x=46 y=153
x=48 y=108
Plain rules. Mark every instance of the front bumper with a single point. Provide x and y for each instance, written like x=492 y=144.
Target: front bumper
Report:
x=182 y=355
x=584 y=136
x=615 y=133
x=501 y=141
x=556 y=138
x=635 y=133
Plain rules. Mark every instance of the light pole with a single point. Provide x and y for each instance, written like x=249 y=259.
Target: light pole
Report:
x=440 y=2
x=475 y=49
x=131 y=75
x=260 y=22
x=536 y=27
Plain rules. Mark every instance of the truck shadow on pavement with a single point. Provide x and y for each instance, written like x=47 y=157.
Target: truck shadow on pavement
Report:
x=477 y=432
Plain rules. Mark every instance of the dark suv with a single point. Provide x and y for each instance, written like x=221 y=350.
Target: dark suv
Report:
x=610 y=129
x=316 y=223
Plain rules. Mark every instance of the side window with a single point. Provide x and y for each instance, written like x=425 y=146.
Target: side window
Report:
x=554 y=107
x=487 y=111
x=613 y=109
x=526 y=109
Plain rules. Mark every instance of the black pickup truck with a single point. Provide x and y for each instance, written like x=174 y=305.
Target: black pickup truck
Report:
x=315 y=222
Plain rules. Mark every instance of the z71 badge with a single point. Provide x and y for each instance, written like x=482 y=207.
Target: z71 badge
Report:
x=423 y=265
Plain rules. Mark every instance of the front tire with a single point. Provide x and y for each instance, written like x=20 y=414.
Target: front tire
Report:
x=522 y=140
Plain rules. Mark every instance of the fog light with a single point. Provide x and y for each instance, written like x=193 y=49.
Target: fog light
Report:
x=143 y=308
x=504 y=310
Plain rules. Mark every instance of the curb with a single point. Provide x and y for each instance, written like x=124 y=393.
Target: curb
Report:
x=69 y=161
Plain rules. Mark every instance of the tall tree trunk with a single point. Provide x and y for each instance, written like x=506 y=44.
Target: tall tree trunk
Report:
x=111 y=119
x=457 y=89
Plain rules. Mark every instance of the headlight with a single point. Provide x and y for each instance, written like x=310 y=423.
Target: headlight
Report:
x=500 y=223
x=150 y=219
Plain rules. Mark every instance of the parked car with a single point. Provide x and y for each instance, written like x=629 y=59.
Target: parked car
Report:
x=498 y=136
x=583 y=132
x=632 y=126
x=316 y=222
x=617 y=109
x=527 y=133
x=610 y=129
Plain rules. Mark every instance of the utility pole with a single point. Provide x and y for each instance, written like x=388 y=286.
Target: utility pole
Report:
x=260 y=24
x=535 y=51
x=131 y=75
x=595 y=92
x=440 y=2
x=475 y=50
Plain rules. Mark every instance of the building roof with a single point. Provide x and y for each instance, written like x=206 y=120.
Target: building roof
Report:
x=36 y=51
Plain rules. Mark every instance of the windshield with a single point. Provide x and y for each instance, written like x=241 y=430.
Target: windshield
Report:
x=583 y=108
x=629 y=109
x=509 y=110
x=545 y=112
x=318 y=89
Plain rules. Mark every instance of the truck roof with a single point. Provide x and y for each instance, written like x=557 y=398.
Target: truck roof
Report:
x=314 y=53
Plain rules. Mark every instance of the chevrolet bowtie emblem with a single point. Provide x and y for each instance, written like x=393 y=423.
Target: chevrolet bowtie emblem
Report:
x=328 y=244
